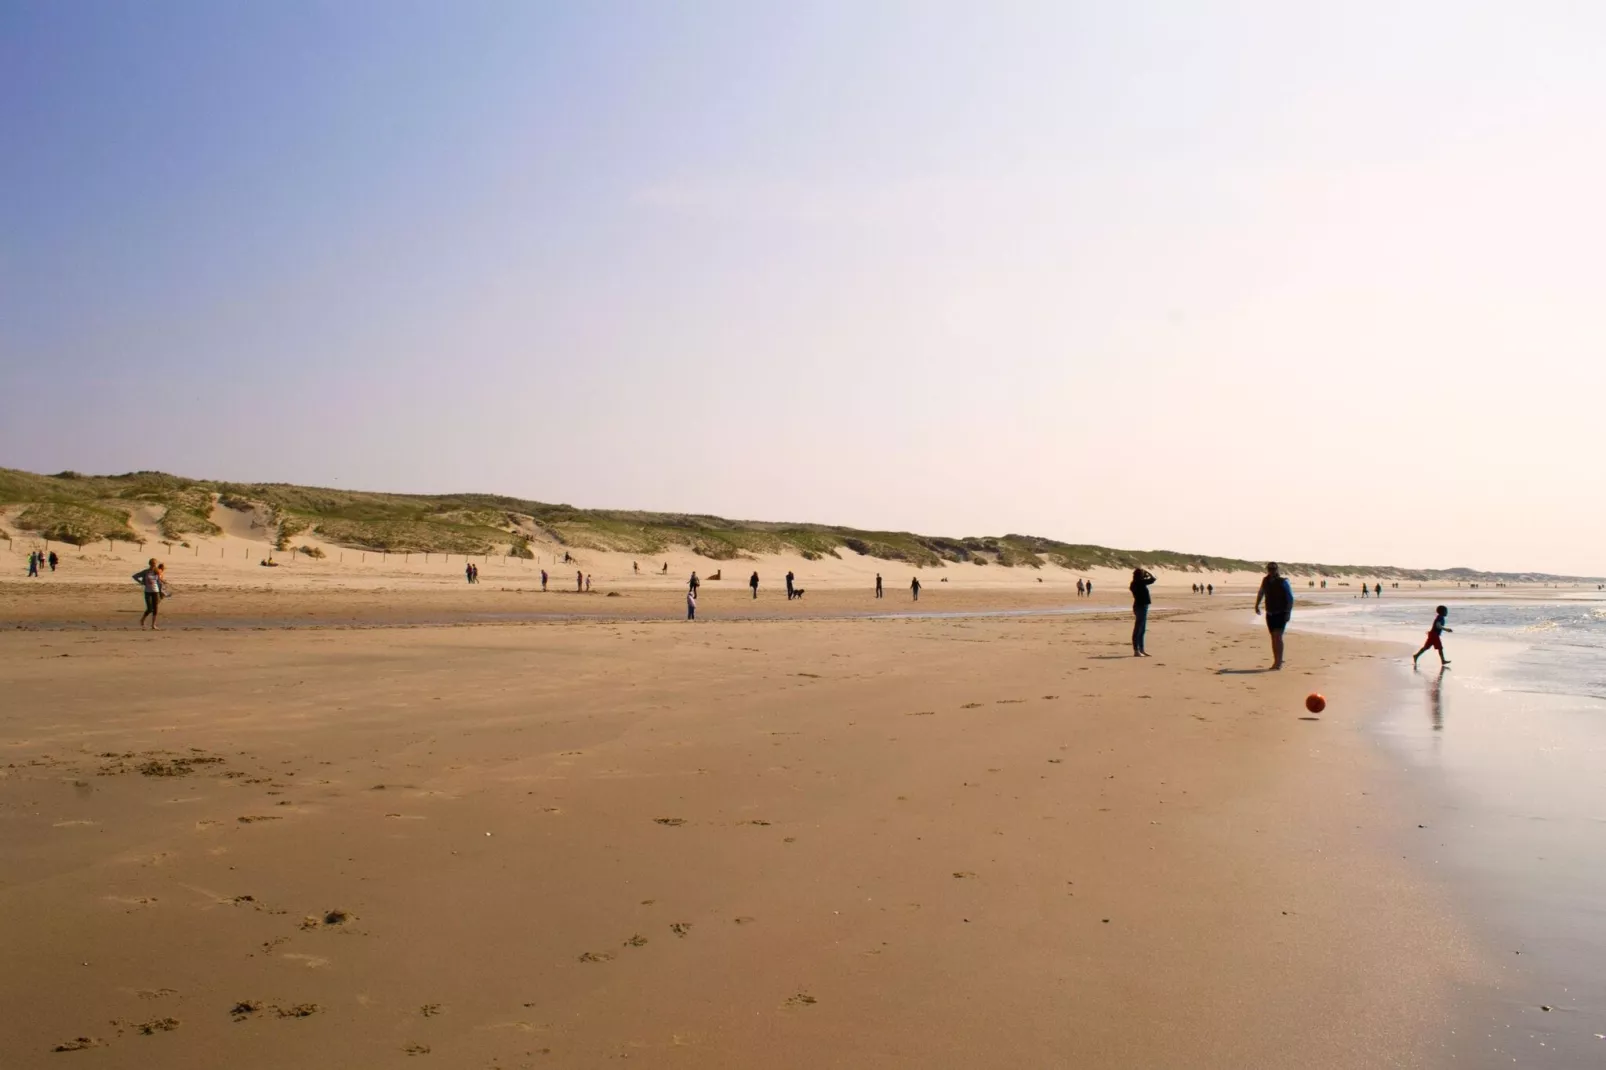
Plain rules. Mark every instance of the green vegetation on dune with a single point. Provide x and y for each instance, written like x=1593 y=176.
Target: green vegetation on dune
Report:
x=78 y=523
x=72 y=507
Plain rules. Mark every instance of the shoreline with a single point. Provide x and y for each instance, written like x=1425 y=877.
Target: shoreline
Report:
x=1503 y=763
x=924 y=822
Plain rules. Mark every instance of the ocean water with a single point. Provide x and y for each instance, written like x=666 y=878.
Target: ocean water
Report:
x=1505 y=753
x=1555 y=647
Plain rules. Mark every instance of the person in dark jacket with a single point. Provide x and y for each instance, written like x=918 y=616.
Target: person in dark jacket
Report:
x=1278 y=595
x=753 y=583
x=1141 y=579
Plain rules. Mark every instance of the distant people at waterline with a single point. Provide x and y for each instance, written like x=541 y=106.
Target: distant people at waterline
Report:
x=1080 y=590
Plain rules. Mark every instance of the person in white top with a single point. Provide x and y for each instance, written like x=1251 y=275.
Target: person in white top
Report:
x=150 y=579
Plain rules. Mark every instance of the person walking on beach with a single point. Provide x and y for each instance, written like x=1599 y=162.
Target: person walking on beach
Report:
x=579 y=581
x=33 y=564
x=1078 y=586
x=693 y=584
x=789 y=580
x=1141 y=579
x=1090 y=588
x=1278 y=595
x=150 y=580
x=878 y=592
x=53 y=560
x=691 y=601
x=1434 y=642
x=914 y=587
x=588 y=584
x=1210 y=589
x=753 y=583
x=543 y=579
x=468 y=573
x=1377 y=590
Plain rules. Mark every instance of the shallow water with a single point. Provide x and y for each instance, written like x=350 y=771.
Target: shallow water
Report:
x=1510 y=742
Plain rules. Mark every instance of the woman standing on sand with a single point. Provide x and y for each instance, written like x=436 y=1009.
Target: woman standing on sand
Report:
x=1141 y=579
x=150 y=578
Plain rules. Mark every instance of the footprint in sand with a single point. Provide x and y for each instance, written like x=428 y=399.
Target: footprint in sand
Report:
x=636 y=941
x=672 y=822
x=416 y=1049
x=681 y=928
x=971 y=706
x=157 y=1025
x=802 y=999
x=596 y=956
x=80 y=1044
x=963 y=874
x=744 y=920
x=430 y=1010
x=311 y=962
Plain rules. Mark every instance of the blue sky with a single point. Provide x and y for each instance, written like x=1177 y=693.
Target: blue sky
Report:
x=1306 y=281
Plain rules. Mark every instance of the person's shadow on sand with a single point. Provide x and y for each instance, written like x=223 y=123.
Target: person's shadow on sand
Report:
x=1240 y=672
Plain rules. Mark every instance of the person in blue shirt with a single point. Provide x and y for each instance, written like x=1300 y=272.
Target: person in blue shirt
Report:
x=1434 y=641
x=1278 y=595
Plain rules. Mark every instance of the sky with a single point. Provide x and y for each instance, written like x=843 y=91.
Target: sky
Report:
x=1317 y=282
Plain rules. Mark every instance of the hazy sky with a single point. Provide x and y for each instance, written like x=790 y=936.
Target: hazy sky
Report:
x=1313 y=281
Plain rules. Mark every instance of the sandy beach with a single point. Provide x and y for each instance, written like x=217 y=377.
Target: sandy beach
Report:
x=950 y=841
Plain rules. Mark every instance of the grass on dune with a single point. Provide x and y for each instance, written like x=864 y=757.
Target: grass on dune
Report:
x=70 y=506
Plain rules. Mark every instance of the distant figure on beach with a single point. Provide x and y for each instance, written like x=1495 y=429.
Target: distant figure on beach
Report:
x=468 y=573
x=1279 y=598
x=634 y=567
x=1377 y=590
x=566 y=558
x=53 y=560
x=691 y=600
x=579 y=581
x=666 y=568
x=1364 y=590
x=150 y=580
x=914 y=587
x=543 y=579
x=878 y=591
x=752 y=581
x=588 y=583
x=1090 y=588
x=1078 y=586
x=1210 y=589
x=1141 y=579
x=33 y=563
x=693 y=583
x=789 y=581
x=1324 y=585
x=1434 y=642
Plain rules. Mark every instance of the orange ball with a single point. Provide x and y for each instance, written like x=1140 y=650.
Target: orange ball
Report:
x=1315 y=703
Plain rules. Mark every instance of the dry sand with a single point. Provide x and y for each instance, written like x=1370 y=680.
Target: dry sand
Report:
x=746 y=842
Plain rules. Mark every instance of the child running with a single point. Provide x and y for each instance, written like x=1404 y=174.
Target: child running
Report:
x=1433 y=640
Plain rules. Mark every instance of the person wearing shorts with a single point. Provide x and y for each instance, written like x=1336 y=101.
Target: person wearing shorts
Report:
x=1435 y=640
x=1278 y=595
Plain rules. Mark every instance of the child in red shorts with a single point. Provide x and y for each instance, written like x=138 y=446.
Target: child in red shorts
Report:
x=1433 y=641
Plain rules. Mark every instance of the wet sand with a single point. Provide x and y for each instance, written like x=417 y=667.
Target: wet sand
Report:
x=930 y=842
